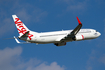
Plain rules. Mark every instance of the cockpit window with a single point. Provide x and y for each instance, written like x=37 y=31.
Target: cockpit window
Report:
x=95 y=34
x=96 y=31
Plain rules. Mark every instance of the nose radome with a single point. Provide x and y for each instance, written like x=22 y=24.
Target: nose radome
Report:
x=98 y=33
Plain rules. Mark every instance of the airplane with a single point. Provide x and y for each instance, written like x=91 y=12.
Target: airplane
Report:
x=59 y=38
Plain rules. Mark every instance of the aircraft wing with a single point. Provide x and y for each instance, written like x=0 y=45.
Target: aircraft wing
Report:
x=74 y=32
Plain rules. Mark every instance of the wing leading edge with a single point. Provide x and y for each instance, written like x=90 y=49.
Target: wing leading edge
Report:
x=74 y=32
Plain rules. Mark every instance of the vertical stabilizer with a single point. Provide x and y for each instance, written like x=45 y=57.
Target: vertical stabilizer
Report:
x=22 y=29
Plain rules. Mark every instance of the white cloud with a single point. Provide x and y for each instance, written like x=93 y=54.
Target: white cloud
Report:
x=104 y=29
x=102 y=59
x=96 y=59
x=52 y=66
x=35 y=15
x=10 y=59
x=104 y=24
x=77 y=7
x=26 y=12
x=22 y=14
x=38 y=15
x=6 y=26
x=74 y=5
x=91 y=59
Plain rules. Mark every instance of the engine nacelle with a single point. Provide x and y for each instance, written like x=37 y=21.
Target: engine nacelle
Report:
x=79 y=37
x=60 y=44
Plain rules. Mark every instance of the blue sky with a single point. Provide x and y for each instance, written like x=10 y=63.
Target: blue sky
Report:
x=52 y=15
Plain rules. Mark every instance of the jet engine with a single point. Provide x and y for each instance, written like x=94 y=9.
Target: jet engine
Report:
x=60 y=44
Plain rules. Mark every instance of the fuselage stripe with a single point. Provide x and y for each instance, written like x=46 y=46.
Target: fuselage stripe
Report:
x=82 y=37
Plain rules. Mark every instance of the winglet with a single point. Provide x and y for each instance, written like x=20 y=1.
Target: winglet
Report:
x=79 y=21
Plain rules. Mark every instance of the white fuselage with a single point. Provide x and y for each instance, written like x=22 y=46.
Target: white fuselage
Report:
x=54 y=37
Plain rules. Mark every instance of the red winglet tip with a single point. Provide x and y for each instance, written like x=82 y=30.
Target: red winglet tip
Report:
x=79 y=21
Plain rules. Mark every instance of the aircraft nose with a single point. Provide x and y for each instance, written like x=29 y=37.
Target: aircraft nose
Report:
x=97 y=34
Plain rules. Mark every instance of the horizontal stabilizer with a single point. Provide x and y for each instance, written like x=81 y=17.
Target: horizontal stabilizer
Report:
x=20 y=42
x=16 y=40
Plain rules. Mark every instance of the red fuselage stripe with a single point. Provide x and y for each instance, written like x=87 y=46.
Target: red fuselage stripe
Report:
x=82 y=37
